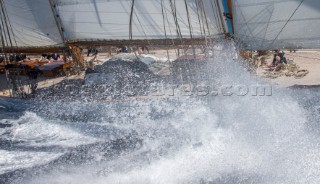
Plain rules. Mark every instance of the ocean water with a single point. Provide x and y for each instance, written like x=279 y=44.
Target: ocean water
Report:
x=220 y=137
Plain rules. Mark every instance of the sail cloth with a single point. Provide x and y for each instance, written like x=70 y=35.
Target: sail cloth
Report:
x=151 y=19
x=32 y=23
x=277 y=24
x=35 y=22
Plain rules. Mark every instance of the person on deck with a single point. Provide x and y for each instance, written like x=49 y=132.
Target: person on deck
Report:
x=2 y=58
x=283 y=60
x=43 y=57
x=94 y=51
x=23 y=56
x=11 y=58
x=145 y=50
x=49 y=56
x=279 y=65
x=122 y=49
x=55 y=56
x=89 y=51
x=33 y=76
x=17 y=58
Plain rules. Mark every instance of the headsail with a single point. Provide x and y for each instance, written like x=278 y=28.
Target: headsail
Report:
x=276 y=24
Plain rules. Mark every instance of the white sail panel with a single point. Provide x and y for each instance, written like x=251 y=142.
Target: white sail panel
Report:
x=109 y=19
x=276 y=24
x=32 y=22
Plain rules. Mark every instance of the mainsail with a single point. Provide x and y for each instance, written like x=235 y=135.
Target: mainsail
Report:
x=29 y=23
x=156 y=19
x=257 y=24
x=51 y=22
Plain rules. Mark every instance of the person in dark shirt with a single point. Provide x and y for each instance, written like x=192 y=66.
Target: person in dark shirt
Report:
x=283 y=60
x=17 y=58
x=55 y=56
x=11 y=58
x=279 y=65
x=33 y=76
x=94 y=51
x=2 y=58
x=43 y=56
x=49 y=56
x=125 y=49
x=89 y=51
x=23 y=56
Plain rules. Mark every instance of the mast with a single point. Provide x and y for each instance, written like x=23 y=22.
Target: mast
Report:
x=228 y=15
x=59 y=25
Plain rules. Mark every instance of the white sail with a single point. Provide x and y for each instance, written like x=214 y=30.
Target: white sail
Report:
x=32 y=23
x=276 y=24
x=110 y=19
x=258 y=24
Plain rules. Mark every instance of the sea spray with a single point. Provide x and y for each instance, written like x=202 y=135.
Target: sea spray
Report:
x=214 y=138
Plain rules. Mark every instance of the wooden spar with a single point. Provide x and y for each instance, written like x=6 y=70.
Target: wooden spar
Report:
x=156 y=42
x=160 y=42
x=36 y=50
x=86 y=43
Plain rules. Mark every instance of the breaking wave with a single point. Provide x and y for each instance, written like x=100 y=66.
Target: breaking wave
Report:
x=215 y=138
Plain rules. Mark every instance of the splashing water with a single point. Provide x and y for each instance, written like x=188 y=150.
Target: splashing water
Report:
x=180 y=139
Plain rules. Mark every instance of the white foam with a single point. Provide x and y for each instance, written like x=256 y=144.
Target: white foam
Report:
x=218 y=139
x=33 y=130
x=146 y=58
x=13 y=160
